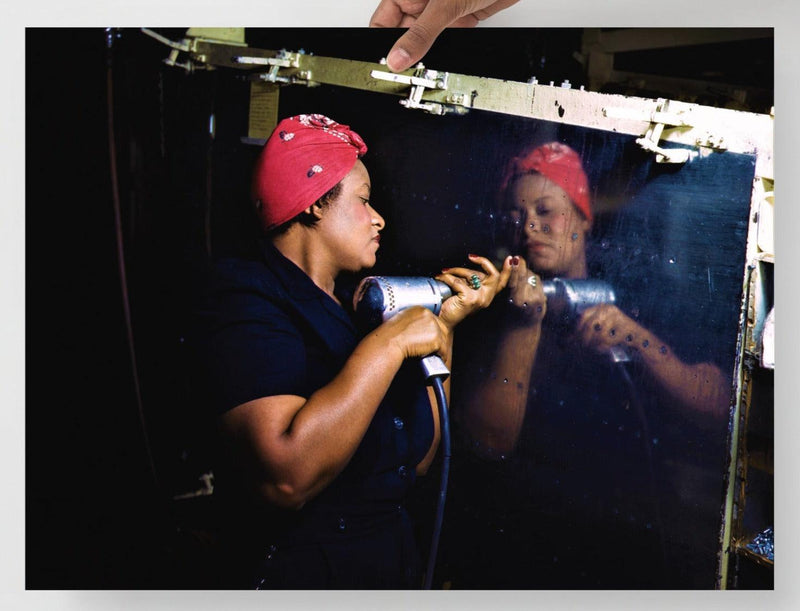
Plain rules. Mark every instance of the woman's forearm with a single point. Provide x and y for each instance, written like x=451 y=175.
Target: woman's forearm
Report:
x=495 y=408
x=700 y=388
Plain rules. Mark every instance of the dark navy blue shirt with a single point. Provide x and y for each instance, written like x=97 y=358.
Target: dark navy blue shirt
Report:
x=266 y=329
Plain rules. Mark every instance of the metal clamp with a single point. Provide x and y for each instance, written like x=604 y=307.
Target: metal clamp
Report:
x=421 y=80
x=658 y=120
x=284 y=59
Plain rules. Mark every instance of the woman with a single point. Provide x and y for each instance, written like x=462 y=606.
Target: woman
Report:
x=323 y=431
x=568 y=497
x=546 y=195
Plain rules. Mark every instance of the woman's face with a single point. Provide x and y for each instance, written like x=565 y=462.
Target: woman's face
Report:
x=350 y=226
x=550 y=230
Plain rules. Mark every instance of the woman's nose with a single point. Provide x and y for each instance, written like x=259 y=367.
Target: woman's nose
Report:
x=377 y=219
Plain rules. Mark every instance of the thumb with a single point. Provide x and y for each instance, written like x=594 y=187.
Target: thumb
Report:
x=412 y=46
x=505 y=274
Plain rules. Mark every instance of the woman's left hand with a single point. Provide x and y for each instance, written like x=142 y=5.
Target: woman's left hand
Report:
x=604 y=326
x=473 y=290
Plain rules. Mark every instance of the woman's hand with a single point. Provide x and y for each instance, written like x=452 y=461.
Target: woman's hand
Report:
x=417 y=332
x=472 y=290
x=425 y=20
x=605 y=326
x=525 y=293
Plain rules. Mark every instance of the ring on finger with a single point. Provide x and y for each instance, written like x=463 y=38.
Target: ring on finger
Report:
x=532 y=281
x=475 y=282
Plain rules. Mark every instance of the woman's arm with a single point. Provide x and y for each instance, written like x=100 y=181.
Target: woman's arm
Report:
x=701 y=388
x=495 y=404
x=464 y=302
x=294 y=447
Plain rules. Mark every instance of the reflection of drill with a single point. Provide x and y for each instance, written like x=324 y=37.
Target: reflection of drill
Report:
x=568 y=299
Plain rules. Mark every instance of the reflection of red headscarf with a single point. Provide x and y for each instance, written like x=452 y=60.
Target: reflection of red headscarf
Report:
x=559 y=163
x=304 y=158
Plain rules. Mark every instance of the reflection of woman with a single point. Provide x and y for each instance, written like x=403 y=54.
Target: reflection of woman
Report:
x=547 y=199
x=568 y=497
x=323 y=431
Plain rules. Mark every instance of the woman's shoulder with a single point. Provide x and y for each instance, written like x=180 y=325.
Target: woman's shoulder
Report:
x=237 y=274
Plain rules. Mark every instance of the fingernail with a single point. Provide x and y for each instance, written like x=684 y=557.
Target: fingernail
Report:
x=471 y=256
x=398 y=60
x=445 y=270
x=514 y=260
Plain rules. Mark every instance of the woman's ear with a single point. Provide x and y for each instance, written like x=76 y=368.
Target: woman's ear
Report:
x=315 y=210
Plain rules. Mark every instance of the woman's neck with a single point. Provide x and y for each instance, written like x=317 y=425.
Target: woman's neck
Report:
x=298 y=246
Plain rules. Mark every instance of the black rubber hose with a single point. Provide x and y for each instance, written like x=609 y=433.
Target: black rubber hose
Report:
x=444 y=424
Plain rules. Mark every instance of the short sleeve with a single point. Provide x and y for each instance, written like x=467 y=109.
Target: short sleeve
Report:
x=246 y=348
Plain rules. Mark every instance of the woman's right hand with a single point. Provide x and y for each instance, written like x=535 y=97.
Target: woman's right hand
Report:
x=525 y=293
x=417 y=332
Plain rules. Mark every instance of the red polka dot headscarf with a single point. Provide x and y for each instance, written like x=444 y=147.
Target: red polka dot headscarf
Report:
x=304 y=158
x=559 y=163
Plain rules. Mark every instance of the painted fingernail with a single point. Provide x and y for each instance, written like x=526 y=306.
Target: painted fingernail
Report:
x=471 y=256
x=514 y=260
x=445 y=270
